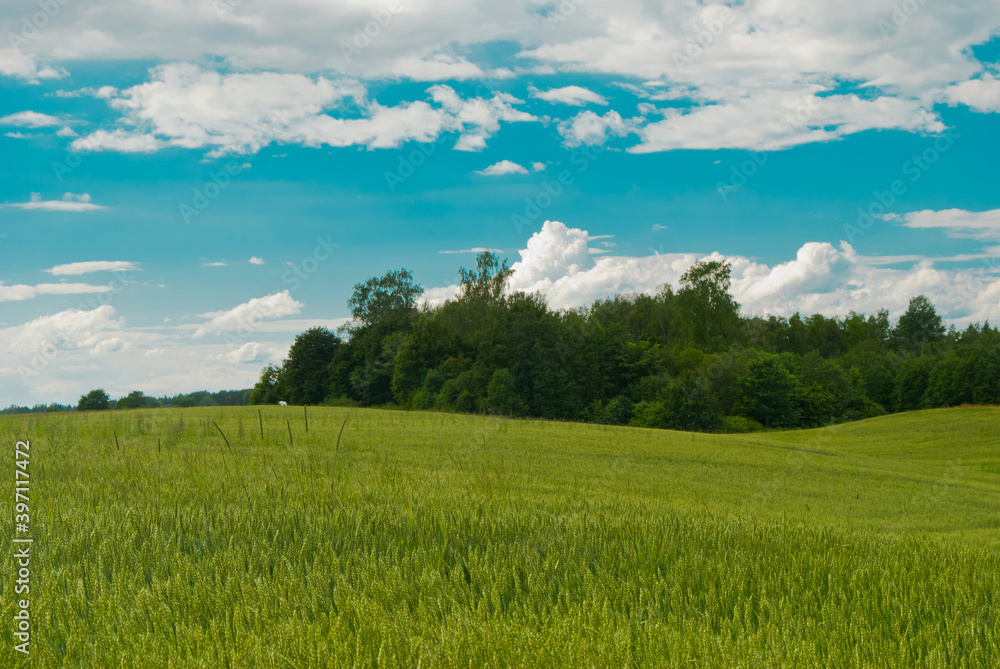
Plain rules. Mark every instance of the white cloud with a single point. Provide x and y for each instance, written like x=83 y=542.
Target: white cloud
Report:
x=93 y=331
x=982 y=95
x=102 y=92
x=589 y=128
x=501 y=168
x=19 y=292
x=249 y=314
x=701 y=54
x=576 y=96
x=556 y=251
x=436 y=68
x=821 y=279
x=89 y=267
x=217 y=263
x=251 y=352
x=477 y=119
x=773 y=121
x=122 y=141
x=15 y=63
x=70 y=202
x=256 y=261
x=30 y=119
x=983 y=225
x=475 y=249
x=434 y=297
x=185 y=106
x=538 y=167
x=66 y=131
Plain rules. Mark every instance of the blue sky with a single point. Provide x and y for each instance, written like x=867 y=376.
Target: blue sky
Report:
x=187 y=185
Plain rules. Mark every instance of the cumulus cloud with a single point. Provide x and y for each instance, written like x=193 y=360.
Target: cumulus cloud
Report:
x=434 y=297
x=91 y=266
x=575 y=96
x=501 y=168
x=477 y=119
x=185 y=106
x=982 y=95
x=589 y=128
x=822 y=278
x=19 y=65
x=71 y=202
x=256 y=261
x=746 y=57
x=92 y=331
x=251 y=352
x=249 y=314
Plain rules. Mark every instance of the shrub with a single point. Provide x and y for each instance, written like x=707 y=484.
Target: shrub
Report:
x=740 y=425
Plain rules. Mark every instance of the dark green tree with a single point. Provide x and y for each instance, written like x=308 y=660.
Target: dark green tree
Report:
x=911 y=383
x=306 y=371
x=769 y=393
x=95 y=400
x=706 y=310
x=488 y=282
x=134 y=400
x=389 y=300
x=690 y=405
x=269 y=389
x=502 y=396
x=920 y=325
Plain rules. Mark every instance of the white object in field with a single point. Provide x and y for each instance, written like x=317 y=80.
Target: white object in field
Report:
x=282 y=404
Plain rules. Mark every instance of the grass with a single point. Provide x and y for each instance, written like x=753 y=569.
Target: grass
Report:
x=441 y=540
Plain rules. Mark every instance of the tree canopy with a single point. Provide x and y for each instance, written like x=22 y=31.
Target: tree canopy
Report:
x=685 y=359
x=95 y=400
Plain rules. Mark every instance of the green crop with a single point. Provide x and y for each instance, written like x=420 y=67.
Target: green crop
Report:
x=439 y=540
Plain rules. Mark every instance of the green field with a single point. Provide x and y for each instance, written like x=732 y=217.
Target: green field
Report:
x=445 y=540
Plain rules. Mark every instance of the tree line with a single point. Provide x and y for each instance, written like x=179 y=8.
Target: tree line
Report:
x=99 y=400
x=684 y=358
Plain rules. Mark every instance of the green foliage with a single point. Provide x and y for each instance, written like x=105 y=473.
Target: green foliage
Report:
x=691 y=405
x=306 y=371
x=134 y=400
x=270 y=388
x=769 y=394
x=683 y=360
x=911 y=383
x=502 y=396
x=95 y=400
x=710 y=316
x=740 y=425
x=920 y=325
x=386 y=301
x=618 y=411
x=488 y=282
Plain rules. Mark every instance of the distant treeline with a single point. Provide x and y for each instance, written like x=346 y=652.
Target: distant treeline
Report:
x=684 y=358
x=97 y=400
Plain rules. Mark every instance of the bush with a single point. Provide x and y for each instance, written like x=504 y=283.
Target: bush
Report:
x=649 y=414
x=740 y=425
x=618 y=411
